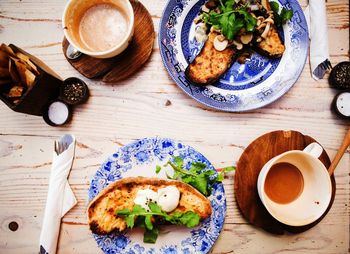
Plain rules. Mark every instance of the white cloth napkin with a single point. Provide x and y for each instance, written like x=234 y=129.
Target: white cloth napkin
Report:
x=60 y=198
x=316 y=18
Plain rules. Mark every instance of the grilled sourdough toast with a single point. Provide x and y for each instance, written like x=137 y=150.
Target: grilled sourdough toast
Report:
x=210 y=63
x=121 y=194
x=272 y=46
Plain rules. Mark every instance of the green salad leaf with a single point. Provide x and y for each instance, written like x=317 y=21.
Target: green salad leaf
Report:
x=138 y=216
x=281 y=17
x=150 y=236
x=231 y=19
x=196 y=176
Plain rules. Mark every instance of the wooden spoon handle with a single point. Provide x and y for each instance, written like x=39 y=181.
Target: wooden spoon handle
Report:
x=340 y=153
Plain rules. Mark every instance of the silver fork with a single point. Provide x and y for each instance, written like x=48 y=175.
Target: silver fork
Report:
x=322 y=68
x=60 y=147
x=326 y=65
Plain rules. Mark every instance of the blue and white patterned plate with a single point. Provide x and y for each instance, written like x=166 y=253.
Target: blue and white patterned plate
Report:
x=248 y=86
x=140 y=159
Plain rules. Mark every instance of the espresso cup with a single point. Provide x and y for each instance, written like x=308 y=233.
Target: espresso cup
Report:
x=99 y=28
x=295 y=186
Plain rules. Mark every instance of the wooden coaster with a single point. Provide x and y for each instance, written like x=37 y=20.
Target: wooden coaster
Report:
x=249 y=165
x=122 y=66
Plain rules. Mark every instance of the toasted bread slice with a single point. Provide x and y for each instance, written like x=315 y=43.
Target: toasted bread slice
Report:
x=272 y=46
x=121 y=194
x=210 y=63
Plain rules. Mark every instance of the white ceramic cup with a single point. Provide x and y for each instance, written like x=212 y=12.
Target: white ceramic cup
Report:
x=315 y=196
x=72 y=13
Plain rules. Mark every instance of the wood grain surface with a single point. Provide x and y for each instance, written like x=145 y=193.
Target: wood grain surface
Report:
x=262 y=150
x=118 y=68
x=150 y=104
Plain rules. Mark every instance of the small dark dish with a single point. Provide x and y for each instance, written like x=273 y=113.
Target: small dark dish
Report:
x=57 y=113
x=74 y=91
x=339 y=77
x=341 y=104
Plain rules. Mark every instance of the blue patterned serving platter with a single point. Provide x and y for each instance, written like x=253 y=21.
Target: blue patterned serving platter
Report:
x=254 y=84
x=140 y=159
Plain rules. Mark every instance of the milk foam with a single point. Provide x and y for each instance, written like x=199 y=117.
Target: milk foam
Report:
x=102 y=27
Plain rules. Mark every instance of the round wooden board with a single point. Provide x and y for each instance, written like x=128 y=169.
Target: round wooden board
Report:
x=249 y=165
x=126 y=64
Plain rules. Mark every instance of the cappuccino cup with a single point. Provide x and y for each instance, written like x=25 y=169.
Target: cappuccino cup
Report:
x=99 y=28
x=295 y=186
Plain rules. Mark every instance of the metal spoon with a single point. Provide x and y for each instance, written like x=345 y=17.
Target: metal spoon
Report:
x=340 y=153
x=72 y=53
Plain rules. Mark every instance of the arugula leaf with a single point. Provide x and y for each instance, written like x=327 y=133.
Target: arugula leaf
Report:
x=197 y=167
x=178 y=161
x=189 y=219
x=123 y=212
x=130 y=221
x=225 y=170
x=249 y=20
x=143 y=218
x=286 y=15
x=275 y=7
x=150 y=236
x=201 y=184
x=231 y=19
x=154 y=207
x=238 y=25
x=196 y=176
x=148 y=222
x=158 y=168
x=281 y=17
x=231 y=23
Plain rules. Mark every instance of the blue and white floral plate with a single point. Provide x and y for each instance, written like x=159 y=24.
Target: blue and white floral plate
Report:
x=140 y=159
x=248 y=86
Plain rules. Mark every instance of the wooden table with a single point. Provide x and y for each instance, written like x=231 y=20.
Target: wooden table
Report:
x=150 y=104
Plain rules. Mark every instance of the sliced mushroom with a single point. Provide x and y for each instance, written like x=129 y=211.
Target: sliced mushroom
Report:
x=238 y=45
x=197 y=19
x=211 y=4
x=259 y=20
x=221 y=37
x=246 y=38
x=269 y=20
x=201 y=28
x=220 y=45
x=205 y=9
x=200 y=37
x=265 y=4
x=243 y=57
x=200 y=33
x=262 y=25
x=266 y=31
x=214 y=29
x=254 y=7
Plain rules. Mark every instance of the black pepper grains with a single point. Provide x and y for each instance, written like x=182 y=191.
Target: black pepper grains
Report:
x=74 y=91
x=340 y=76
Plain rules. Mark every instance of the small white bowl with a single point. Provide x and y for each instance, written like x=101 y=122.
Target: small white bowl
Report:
x=70 y=15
